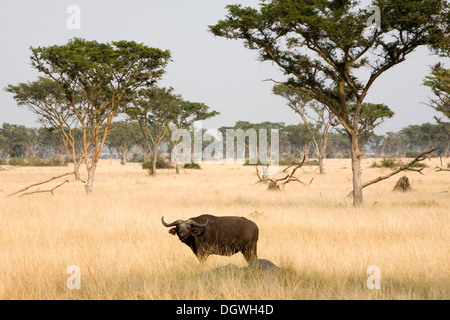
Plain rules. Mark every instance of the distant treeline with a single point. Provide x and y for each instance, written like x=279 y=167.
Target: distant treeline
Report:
x=42 y=146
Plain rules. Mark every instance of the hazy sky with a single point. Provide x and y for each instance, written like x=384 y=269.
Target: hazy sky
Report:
x=218 y=72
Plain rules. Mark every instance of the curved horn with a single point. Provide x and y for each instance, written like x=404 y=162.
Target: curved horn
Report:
x=192 y=222
x=170 y=224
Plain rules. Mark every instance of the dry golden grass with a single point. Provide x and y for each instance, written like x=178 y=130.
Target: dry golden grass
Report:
x=321 y=243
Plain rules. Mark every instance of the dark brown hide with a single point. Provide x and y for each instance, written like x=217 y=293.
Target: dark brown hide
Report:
x=221 y=235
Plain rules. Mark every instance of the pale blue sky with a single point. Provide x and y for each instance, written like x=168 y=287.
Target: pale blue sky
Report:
x=219 y=72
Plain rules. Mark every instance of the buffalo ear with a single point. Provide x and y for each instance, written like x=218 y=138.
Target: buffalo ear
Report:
x=197 y=231
x=173 y=231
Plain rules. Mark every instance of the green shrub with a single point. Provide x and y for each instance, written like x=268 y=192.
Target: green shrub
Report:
x=36 y=162
x=287 y=161
x=313 y=163
x=17 y=162
x=252 y=162
x=136 y=158
x=419 y=165
x=192 y=165
x=161 y=163
x=387 y=163
x=393 y=163
x=2 y=162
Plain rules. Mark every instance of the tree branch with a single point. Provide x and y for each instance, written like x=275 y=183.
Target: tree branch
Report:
x=42 y=191
x=276 y=183
x=39 y=183
x=420 y=157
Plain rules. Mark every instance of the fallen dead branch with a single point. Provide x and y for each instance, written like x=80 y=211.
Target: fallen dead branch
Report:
x=441 y=169
x=420 y=157
x=42 y=191
x=40 y=183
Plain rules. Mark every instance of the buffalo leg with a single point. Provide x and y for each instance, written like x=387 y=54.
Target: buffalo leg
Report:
x=250 y=253
x=202 y=257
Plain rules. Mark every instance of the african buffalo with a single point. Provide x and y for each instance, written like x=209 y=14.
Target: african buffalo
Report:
x=207 y=234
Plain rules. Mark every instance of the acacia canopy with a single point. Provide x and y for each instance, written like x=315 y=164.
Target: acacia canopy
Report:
x=328 y=50
x=106 y=75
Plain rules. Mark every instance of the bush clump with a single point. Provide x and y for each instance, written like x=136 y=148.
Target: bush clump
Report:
x=36 y=162
x=161 y=163
x=419 y=165
x=253 y=162
x=313 y=162
x=393 y=164
x=287 y=161
x=17 y=162
x=136 y=158
x=387 y=163
x=191 y=165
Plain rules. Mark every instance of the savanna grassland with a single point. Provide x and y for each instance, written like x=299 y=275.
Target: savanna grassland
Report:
x=322 y=244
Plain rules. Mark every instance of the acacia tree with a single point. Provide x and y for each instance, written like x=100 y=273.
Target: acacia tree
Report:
x=105 y=74
x=123 y=136
x=154 y=108
x=251 y=140
x=396 y=144
x=377 y=144
x=439 y=82
x=321 y=44
x=323 y=120
x=3 y=144
x=426 y=136
x=53 y=145
x=297 y=138
x=47 y=100
x=185 y=114
x=14 y=140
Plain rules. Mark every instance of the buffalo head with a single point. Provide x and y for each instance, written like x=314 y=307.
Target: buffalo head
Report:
x=185 y=228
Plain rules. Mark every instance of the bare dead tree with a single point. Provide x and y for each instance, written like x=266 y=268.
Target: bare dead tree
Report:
x=276 y=184
x=319 y=125
x=407 y=166
x=295 y=163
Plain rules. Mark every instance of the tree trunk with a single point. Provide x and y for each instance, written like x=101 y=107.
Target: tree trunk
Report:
x=356 y=170
x=177 y=168
x=306 y=152
x=123 y=157
x=320 y=164
x=155 y=158
x=89 y=186
x=76 y=170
